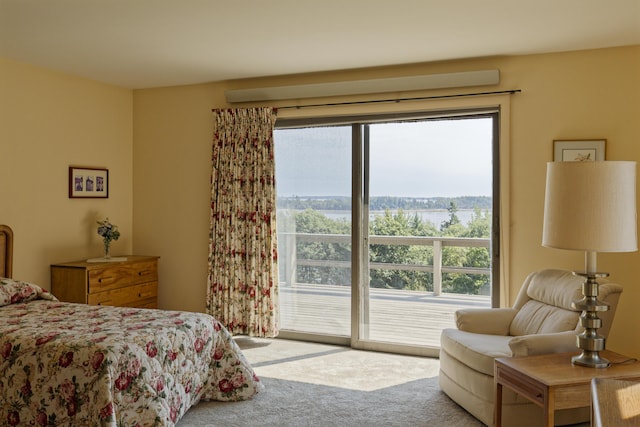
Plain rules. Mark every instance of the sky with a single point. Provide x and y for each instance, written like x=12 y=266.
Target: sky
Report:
x=443 y=158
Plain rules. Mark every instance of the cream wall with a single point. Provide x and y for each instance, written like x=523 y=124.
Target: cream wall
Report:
x=49 y=121
x=575 y=95
x=172 y=157
x=587 y=94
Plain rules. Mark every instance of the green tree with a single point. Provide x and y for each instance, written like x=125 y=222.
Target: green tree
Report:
x=478 y=227
x=311 y=221
x=400 y=224
x=453 y=217
x=480 y=224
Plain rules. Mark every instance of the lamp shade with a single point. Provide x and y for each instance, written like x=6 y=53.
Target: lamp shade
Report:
x=591 y=206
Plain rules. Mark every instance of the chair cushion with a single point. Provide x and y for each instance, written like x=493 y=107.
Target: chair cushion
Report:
x=556 y=288
x=477 y=351
x=548 y=309
x=536 y=317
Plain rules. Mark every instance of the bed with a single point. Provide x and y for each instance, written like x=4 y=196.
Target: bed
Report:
x=81 y=365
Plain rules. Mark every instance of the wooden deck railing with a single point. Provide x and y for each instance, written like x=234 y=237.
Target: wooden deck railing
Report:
x=291 y=263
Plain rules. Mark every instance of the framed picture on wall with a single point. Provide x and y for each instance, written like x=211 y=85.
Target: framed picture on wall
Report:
x=86 y=182
x=583 y=150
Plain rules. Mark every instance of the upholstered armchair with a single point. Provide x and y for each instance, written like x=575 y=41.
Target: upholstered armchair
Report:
x=541 y=321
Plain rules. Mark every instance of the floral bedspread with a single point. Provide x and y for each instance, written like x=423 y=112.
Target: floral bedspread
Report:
x=68 y=364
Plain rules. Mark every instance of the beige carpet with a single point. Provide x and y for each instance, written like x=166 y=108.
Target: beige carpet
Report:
x=322 y=385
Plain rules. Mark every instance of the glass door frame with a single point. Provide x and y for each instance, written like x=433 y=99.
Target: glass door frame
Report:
x=360 y=238
x=496 y=105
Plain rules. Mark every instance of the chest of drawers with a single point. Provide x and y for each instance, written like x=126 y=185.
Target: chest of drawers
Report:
x=130 y=283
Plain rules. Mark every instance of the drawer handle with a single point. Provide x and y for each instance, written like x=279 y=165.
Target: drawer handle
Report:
x=143 y=273
x=107 y=302
x=103 y=279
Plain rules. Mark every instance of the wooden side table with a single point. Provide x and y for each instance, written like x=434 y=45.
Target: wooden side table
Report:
x=553 y=382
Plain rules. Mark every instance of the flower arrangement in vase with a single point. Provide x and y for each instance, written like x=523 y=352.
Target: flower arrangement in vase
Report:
x=108 y=232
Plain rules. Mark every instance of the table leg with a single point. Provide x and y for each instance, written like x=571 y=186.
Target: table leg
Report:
x=498 y=405
x=549 y=407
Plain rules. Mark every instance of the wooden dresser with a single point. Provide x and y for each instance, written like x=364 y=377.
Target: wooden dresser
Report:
x=130 y=283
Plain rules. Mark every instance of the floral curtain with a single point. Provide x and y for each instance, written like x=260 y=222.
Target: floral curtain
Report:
x=242 y=290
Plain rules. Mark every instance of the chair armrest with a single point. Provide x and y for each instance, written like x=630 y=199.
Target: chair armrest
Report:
x=529 y=345
x=491 y=321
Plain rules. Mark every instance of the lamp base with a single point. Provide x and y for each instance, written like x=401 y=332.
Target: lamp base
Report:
x=590 y=359
x=589 y=341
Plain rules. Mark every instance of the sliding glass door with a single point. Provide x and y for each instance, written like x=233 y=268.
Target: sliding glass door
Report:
x=428 y=205
x=313 y=179
x=385 y=227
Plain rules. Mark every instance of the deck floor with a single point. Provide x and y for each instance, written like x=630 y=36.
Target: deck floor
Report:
x=395 y=316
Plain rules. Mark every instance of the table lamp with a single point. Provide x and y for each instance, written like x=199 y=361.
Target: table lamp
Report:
x=590 y=207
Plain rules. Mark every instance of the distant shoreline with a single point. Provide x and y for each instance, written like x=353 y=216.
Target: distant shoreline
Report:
x=381 y=203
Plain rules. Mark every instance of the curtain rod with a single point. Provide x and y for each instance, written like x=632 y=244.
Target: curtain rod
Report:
x=422 y=98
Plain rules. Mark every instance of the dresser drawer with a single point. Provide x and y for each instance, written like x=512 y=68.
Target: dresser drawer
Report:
x=143 y=295
x=118 y=276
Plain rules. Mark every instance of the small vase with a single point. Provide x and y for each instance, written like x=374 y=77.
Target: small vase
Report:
x=107 y=249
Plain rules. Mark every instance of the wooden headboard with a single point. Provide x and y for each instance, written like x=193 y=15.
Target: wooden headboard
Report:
x=6 y=251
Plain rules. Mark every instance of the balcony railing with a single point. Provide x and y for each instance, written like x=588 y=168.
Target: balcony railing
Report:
x=290 y=240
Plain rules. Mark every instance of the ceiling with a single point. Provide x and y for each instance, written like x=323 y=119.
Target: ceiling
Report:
x=152 y=43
